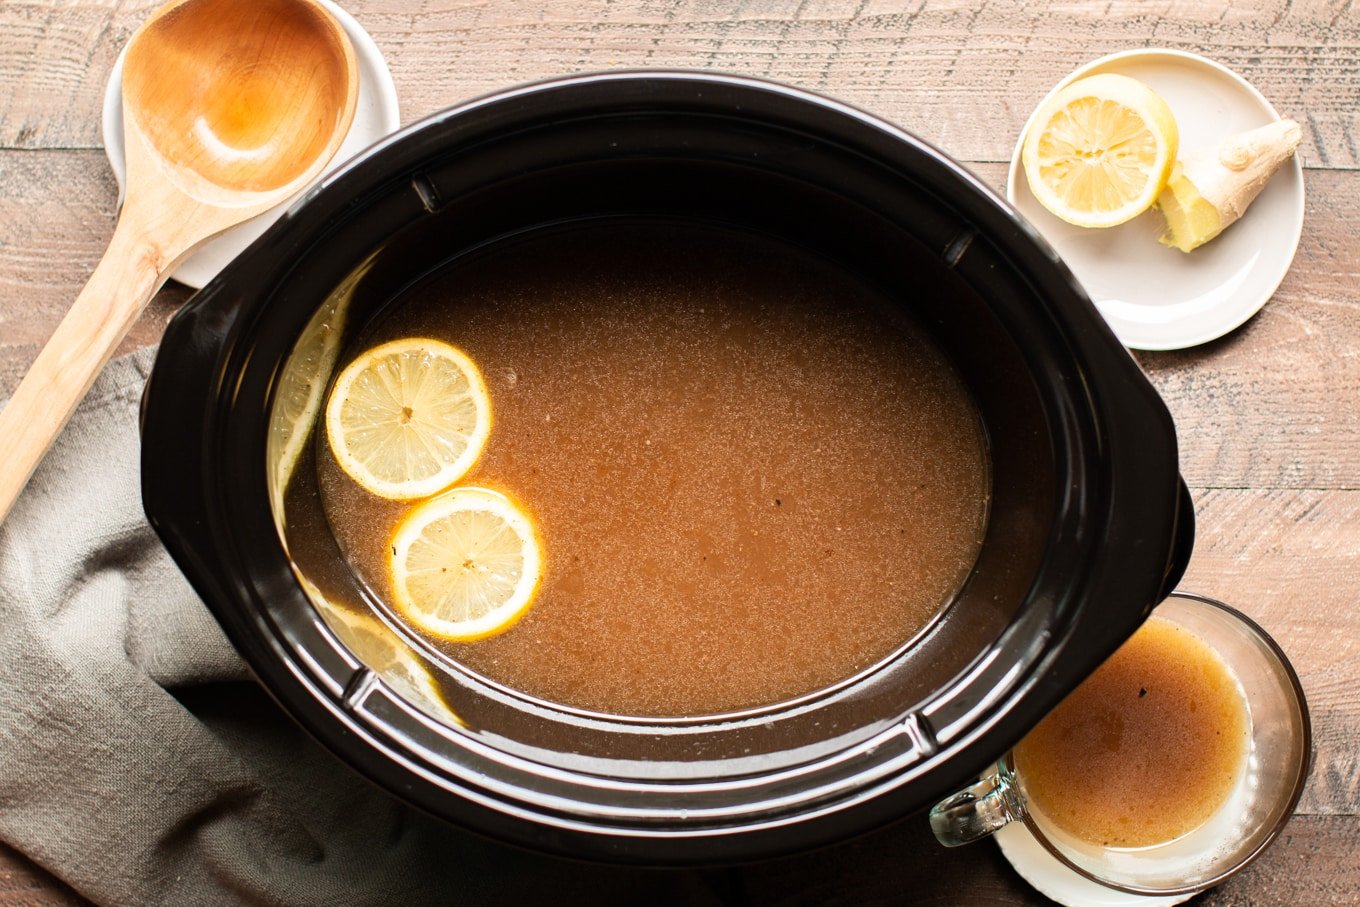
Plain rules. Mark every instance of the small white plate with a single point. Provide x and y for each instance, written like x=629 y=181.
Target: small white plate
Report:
x=1047 y=875
x=1153 y=296
x=375 y=116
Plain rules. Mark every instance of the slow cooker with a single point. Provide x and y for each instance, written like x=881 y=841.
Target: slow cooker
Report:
x=1090 y=525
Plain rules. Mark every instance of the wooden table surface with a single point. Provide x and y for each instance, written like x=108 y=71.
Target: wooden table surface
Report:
x=1269 y=417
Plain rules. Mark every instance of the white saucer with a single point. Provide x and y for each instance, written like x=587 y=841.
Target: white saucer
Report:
x=1153 y=296
x=374 y=117
x=1047 y=875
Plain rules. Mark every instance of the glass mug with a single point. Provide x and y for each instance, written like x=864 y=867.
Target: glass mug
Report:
x=1278 y=755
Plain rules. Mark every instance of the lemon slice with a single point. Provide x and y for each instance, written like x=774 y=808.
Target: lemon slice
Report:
x=297 y=402
x=408 y=418
x=465 y=565
x=1101 y=150
x=380 y=650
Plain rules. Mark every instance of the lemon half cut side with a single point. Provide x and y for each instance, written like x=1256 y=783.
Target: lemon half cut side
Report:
x=1100 y=151
x=408 y=418
x=465 y=565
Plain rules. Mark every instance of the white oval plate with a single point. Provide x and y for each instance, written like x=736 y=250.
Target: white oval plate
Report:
x=1153 y=296
x=1047 y=875
x=375 y=116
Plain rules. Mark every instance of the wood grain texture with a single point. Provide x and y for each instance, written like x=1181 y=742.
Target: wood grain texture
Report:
x=1264 y=406
x=1288 y=559
x=1315 y=861
x=56 y=217
x=965 y=73
x=1268 y=417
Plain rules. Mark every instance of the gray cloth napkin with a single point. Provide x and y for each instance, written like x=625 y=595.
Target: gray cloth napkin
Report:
x=141 y=764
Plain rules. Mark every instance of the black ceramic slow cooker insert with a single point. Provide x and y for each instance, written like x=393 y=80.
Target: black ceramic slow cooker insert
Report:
x=1089 y=526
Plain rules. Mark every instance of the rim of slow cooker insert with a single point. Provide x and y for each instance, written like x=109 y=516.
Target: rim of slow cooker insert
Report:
x=329 y=710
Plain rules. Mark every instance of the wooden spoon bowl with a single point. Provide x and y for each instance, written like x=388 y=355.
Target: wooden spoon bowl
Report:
x=229 y=108
x=220 y=112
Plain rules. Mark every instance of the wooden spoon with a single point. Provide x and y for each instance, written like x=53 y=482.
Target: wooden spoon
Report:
x=229 y=108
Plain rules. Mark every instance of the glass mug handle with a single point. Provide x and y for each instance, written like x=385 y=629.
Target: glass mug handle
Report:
x=977 y=811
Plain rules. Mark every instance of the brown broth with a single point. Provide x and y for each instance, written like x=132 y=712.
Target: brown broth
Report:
x=1146 y=750
x=751 y=479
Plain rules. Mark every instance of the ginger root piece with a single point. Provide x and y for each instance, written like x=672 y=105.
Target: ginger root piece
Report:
x=1211 y=188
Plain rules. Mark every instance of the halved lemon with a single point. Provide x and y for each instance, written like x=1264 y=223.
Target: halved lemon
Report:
x=465 y=565
x=1101 y=150
x=408 y=418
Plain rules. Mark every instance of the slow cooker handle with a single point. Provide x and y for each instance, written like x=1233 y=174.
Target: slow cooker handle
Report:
x=1183 y=540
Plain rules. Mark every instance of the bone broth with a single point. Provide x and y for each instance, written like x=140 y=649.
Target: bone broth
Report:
x=1147 y=749
x=749 y=476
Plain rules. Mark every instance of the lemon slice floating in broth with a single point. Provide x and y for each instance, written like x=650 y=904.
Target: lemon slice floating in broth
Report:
x=465 y=565
x=408 y=418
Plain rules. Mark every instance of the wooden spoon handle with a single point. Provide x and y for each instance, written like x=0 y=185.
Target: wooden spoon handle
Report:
x=123 y=282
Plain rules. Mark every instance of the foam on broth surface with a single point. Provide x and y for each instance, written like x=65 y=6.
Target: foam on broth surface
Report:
x=751 y=476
